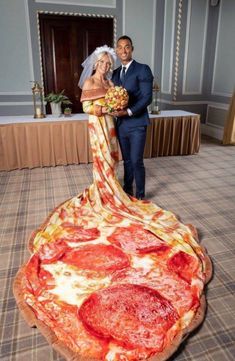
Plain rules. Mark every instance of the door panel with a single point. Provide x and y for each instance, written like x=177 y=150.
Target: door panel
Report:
x=66 y=42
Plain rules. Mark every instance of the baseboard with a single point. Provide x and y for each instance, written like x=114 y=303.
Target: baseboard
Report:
x=212 y=131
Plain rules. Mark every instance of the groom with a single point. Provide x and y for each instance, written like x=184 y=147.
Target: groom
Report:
x=132 y=122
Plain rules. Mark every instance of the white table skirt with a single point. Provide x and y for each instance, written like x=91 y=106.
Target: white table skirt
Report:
x=81 y=116
x=26 y=142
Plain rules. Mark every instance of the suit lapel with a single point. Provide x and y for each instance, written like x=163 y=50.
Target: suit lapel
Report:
x=129 y=71
x=131 y=67
x=117 y=75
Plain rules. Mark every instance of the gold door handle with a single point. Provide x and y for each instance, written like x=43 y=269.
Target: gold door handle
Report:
x=77 y=96
x=75 y=75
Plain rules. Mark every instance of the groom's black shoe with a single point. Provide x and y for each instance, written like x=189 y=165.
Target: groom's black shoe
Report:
x=140 y=196
x=129 y=192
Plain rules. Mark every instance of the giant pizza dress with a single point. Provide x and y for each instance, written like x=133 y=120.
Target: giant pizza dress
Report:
x=111 y=277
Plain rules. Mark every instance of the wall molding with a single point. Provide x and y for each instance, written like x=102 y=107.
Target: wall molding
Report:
x=213 y=92
x=164 y=101
x=216 y=52
x=212 y=131
x=65 y=13
x=188 y=21
x=75 y=14
x=16 y=93
x=189 y=13
x=202 y=102
x=15 y=103
x=153 y=64
x=124 y=17
x=29 y=40
x=214 y=105
x=188 y=102
x=168 y=91
x=177 y=50
x=80 y=3
x=218 y=105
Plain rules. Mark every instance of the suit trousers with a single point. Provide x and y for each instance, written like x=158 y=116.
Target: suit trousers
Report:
x=132 y=143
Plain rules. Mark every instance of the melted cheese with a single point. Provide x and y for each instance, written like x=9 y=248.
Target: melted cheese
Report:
x=187 y=318
x=82 y=244
x=144 y=262
x=73 y=285
x=117 y=352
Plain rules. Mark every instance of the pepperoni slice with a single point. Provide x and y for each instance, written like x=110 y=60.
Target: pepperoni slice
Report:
x=99 y=257
x=38 y=278
x=132 y=315
x=78 y=233
x=32 y=272
x=182 y=295
x=185 y=265
x=137 y=239
x=52 y=251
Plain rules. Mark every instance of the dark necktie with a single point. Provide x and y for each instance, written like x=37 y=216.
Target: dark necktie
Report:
x=123 y=74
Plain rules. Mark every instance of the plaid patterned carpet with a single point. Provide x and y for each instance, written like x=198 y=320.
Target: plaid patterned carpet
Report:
x=199 y=188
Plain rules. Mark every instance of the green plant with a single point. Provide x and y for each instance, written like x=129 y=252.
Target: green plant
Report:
x=57 y=98
x=67 y=110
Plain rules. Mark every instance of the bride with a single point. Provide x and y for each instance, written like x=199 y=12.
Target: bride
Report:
x=87 y=235
x=105 y=191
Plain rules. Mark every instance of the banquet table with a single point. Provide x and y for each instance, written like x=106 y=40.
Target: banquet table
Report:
x=26 y=142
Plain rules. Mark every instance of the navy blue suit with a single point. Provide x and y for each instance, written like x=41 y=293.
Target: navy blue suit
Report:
x=131 y=130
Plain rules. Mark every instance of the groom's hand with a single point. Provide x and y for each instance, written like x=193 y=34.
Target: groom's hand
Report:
x=119 y=113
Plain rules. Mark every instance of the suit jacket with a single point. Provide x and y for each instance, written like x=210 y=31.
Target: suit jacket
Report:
x=138 y=82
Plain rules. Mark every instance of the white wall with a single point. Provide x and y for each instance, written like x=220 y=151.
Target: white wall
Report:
x=139 y=20
x=15 y=58
x=224 y=65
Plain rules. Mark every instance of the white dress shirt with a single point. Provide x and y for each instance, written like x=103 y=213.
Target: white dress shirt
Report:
x=127 y=67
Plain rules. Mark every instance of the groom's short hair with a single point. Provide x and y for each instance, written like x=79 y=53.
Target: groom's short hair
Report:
x=125 y=37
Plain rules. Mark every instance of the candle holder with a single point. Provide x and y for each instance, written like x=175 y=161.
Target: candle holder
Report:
x=37 y=100
x=155 y=105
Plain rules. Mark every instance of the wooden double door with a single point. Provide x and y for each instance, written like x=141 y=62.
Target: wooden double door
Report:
x=66 y=42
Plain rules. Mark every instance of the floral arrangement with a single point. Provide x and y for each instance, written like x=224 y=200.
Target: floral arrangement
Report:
x=116 y=98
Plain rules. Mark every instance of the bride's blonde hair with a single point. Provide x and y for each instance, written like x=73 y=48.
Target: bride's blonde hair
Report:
x=90 y=62
x=101 y=55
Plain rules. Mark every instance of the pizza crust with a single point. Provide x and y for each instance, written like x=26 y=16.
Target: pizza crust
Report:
x=69 y=355
x=209 y=266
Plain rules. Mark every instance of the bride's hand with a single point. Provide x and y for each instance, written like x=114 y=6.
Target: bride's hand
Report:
x=104 y=110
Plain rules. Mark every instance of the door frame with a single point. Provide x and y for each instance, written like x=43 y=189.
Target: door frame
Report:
x=61 y=13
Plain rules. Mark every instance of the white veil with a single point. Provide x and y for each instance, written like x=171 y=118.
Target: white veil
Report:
x=90 y=61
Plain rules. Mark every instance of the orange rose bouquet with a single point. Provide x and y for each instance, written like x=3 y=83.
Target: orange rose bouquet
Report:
x=116 y=98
